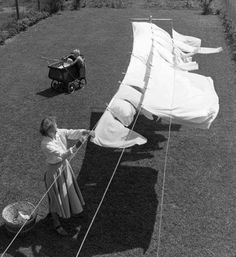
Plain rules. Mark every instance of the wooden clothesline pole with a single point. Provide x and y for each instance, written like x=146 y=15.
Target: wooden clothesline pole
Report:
x=150 y=19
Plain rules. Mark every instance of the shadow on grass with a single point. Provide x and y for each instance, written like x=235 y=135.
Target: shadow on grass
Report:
x=41 y=241
x=127 y=217
x=49 y=93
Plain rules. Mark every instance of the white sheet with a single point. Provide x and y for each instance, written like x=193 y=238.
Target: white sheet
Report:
x=155 y=83
x=111 y=133
x=187 y=98
x=192 y=44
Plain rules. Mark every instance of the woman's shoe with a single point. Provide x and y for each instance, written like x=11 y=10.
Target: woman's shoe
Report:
x=61 y=231
x=78 y=229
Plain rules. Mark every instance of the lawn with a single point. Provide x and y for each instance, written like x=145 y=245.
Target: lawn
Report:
x=199 y=202
x=4 y=18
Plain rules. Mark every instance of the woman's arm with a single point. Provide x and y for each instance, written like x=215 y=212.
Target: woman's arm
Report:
x=78 y=134
x=53 y=155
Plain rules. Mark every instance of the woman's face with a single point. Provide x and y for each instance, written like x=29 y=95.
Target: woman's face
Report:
x=52 y=131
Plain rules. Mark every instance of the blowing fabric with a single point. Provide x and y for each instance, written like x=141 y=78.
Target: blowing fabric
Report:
x=162 y=43
x=189 y=40
x=132 y=95
x=110 y=132
x=157 y=82
x=123 y=110
x=209 y=50
x=185 y=97
x=192 y=44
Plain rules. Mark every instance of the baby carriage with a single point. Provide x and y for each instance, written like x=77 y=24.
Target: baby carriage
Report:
x=67 y=73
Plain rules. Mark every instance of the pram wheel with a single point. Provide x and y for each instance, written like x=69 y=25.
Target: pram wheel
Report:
x=71 y=87
x=54 y=85
x=82 y=83
x=77 y=84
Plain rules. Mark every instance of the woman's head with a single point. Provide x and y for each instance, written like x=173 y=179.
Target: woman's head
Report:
x=76 y=52
x=48 y=126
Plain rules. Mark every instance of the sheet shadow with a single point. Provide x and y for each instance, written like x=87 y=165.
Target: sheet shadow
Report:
x=144 y=125
x=127 y=216
x=125 y=221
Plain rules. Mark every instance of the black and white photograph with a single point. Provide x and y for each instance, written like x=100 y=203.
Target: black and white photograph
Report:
x=118 y=128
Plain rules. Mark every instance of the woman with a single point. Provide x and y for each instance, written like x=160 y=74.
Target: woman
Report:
x=65 y=198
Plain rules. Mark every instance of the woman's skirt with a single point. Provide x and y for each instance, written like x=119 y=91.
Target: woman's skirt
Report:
x=65 y=197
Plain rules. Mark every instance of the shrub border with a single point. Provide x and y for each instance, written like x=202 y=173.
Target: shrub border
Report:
x=14 y=27
x=229 y=29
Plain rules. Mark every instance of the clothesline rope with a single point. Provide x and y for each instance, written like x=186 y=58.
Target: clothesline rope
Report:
x=118 y=162
x=163 y=189
x=108 y=185
x=45 y=194
x=110 y=181
x=166 y=155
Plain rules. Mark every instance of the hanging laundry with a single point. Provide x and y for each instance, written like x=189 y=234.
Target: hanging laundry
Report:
x=187 y=98
x=163 y=44
x=111 y=133
x=189 y=40
x=192 y=44
x=132 y=95
x=123 y=110
x=157 y=82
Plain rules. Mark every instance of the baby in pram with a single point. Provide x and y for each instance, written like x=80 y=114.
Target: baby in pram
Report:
x=75 y=56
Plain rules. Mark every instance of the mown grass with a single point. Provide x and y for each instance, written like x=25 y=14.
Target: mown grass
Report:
x=5 y=18
x=199 y=201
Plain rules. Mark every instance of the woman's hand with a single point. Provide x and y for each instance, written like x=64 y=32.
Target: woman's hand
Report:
x=92 y=133
x=88 y=133
x=78 y=144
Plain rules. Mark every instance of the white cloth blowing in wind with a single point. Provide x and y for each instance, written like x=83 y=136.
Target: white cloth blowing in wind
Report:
x=160 y=85
x=112 y=133
x=186 y=97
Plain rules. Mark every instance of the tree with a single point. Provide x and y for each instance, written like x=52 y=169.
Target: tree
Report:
x=76 y=4
x=206 y=6
x=38 y=2
x=17 y=10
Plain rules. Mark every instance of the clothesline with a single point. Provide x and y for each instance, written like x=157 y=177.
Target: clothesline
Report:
x=105 y=192
x=44 y=195
x=118 y=162
x=165 y=162
x=143 y=86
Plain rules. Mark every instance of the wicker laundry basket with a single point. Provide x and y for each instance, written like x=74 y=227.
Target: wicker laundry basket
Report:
x=16 y=214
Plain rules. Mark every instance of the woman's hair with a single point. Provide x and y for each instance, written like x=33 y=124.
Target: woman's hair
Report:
x=46 y=124
x=76 y=52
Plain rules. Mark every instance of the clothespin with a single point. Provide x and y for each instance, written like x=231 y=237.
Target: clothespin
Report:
x=150 y=18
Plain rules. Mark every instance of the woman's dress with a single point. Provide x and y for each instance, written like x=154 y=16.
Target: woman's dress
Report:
x=65 y=197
